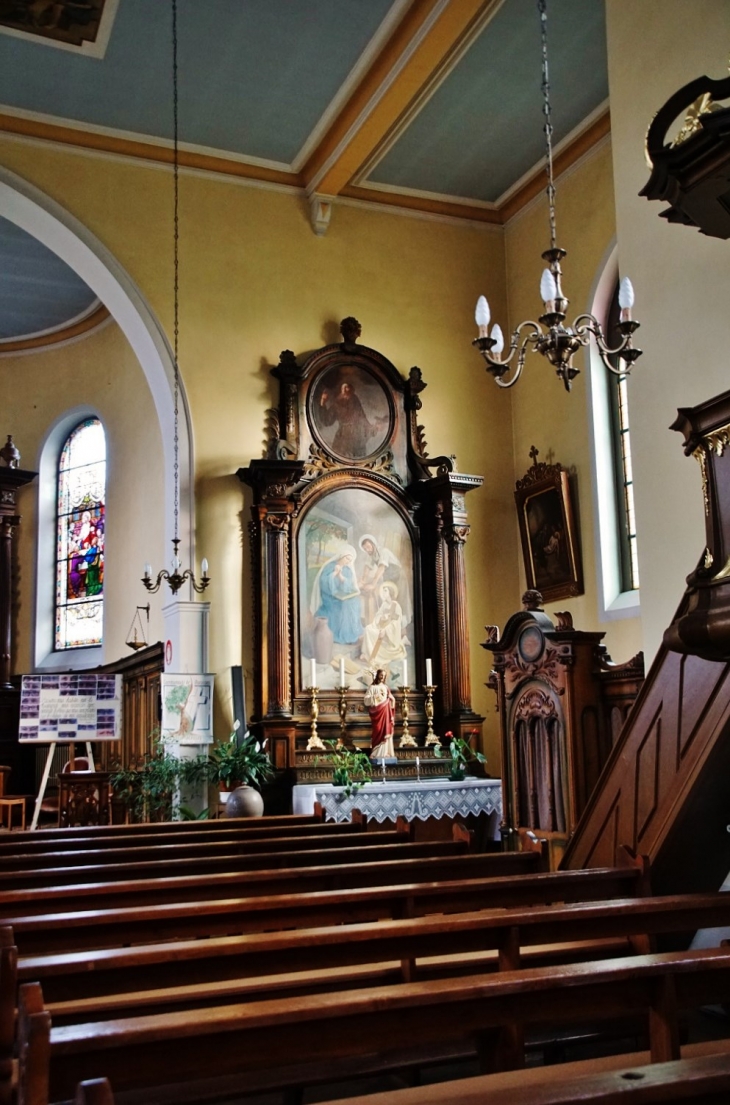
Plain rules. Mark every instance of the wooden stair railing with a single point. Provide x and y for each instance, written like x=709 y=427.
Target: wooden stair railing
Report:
x=663 y=791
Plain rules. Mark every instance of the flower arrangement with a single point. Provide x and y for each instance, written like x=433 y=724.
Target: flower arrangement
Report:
x=460 y=752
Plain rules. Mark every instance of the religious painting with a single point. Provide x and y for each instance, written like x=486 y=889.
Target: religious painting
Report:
x=547 y=530
x=83 y=26
x=356 y=576
x=350 y=413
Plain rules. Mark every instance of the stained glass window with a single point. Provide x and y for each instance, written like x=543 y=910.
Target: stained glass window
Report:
x=80 y=537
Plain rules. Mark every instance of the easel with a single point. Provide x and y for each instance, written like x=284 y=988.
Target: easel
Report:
x=47 y=771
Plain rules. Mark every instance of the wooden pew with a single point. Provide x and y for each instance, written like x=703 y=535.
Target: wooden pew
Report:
x=223 y=850
x=164 y=977
x=276 y=1042
x=140 y=893
x=31 y=876
x=176 y=829
x=241 y=831
x=138 y=923
x=704 y=1080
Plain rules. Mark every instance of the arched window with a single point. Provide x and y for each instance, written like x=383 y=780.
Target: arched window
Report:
x=609 y=396
x=80 y=525
x=623 y=469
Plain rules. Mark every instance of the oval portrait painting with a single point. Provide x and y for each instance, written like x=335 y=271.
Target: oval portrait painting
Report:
x=350 y=412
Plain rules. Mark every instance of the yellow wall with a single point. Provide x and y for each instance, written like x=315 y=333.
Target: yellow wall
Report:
x=544 y=413
x=681 y=280
x=101 y=372
x=256 y=280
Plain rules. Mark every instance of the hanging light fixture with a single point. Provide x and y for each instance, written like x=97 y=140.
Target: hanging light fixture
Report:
x=549 y=336
x=175 y=578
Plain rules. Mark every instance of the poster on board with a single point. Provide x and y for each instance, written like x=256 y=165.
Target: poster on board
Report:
x=69 y=708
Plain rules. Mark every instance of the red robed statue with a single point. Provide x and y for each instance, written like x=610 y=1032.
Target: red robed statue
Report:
x=381 y=707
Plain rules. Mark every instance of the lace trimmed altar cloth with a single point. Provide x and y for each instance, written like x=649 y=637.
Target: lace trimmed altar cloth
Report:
x=410 y=799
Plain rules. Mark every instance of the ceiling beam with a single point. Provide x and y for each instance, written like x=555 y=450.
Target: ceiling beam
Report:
x=421 y=51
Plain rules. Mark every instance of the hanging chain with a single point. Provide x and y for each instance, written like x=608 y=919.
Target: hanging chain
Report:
x=176 y=260
x=548 y=128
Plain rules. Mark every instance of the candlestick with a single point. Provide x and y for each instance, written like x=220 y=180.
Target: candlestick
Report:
x=383 y=763
x=405 y=672
x=343 y=715
x=314 y=744
x=342 y=671
x=406 y=740
x=431 y=738
x=312 y=672
x=418 y=769
x=429 y=673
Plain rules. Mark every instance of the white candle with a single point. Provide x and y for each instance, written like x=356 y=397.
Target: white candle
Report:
x=342 y=671
x=429 y=674
x=405 y=673
x=313 y=673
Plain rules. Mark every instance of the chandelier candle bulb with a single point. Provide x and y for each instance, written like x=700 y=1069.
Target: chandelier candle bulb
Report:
x=429 y=674
x=625 y=298
x=548 y=287
x=148 y=570
x=482 y=316
x=204 y=566
x=498 y=339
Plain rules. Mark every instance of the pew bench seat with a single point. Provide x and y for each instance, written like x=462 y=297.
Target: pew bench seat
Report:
x=271 y=1037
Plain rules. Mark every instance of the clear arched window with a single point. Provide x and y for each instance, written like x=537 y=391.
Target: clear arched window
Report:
x=81 y=518
x=623 y=468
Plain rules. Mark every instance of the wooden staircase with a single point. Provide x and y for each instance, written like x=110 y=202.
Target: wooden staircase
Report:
x=665 y=789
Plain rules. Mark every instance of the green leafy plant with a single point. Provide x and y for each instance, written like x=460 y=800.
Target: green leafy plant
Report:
x=460 y=752
x=149 y=787
x=351 y=768
x=232 y=764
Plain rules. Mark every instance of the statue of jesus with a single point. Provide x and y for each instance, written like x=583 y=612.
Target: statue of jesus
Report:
x=381 y=707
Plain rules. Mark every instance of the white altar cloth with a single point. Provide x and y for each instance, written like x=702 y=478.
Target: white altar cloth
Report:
x=411 y=799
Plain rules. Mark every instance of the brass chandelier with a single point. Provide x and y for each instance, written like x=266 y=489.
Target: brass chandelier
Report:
x=176 y=578
x=549 y=336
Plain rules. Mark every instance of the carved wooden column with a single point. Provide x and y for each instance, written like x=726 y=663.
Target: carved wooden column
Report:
x=450 y=627
x=702 y=624
x=272 y=482
x=277 y=654
x=10 y=480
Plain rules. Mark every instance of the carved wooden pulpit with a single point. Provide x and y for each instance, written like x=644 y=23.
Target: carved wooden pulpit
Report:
x=561 y=704
x=358 y=542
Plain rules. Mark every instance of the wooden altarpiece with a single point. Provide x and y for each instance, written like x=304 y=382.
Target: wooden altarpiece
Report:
x=355 y=531
x=561 y=704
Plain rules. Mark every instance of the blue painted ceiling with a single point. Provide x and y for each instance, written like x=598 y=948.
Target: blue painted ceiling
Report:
x=256 y=77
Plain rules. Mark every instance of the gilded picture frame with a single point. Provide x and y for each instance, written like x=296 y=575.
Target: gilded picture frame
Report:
x=548 y=533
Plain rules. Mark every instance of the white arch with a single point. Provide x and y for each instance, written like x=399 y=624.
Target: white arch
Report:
x=35 y=212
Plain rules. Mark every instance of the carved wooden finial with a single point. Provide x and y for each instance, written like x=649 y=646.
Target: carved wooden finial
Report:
x=350 y=329
x=532 y=600
x=534 y=453
x=10 y=454
x=564 y=619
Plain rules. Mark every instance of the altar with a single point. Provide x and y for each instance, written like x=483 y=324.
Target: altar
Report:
x=424 y=800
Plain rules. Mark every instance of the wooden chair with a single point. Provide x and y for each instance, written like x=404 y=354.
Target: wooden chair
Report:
x=10 y=802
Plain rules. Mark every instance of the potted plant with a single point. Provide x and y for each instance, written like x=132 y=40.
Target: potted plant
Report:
x=240 y=768
x=461 y=752
x=351 y=768
x=150 y=787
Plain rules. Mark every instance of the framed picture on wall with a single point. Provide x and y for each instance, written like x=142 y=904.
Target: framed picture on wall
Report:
x=550 y=545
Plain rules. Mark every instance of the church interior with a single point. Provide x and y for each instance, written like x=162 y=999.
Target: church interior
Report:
x=241 y=245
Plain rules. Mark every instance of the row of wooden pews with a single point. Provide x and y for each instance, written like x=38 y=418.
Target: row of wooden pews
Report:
x=298 y=973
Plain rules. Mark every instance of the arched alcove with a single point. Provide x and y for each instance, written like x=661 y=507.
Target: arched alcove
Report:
x=39 y=215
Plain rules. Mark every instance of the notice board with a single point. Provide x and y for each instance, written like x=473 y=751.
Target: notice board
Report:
x=70 y=708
